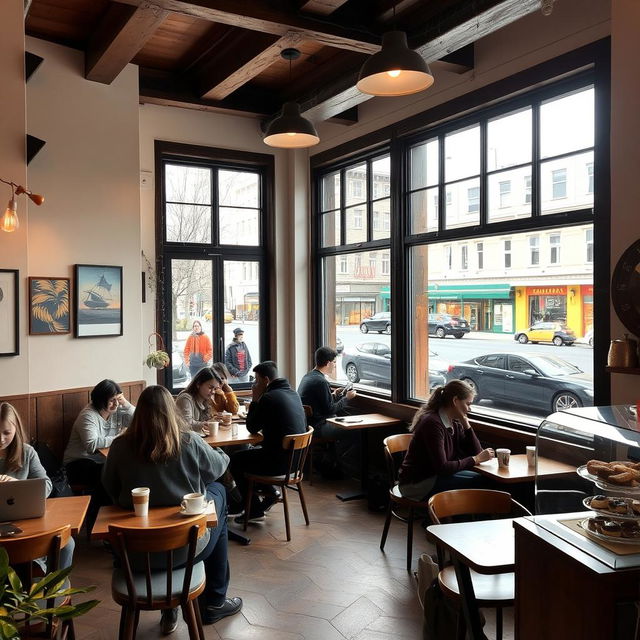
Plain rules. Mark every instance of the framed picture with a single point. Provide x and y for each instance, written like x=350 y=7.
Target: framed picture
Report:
x=49 y=305
x=98 y=301
x=9 y=314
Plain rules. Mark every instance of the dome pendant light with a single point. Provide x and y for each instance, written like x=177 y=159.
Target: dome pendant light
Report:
x=395 y=70
x=290 y=130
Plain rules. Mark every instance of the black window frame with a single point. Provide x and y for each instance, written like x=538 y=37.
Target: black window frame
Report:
x=588 y=65
x=172 y=153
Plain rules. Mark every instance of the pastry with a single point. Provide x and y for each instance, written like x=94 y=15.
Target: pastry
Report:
x=635 y=506
x=628 y=478
x=599 y=502
x=618 y=505
x=630 y=529
x=595 y=524
x=612 y=529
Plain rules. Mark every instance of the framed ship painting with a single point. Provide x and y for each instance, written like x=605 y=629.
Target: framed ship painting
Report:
x=9 y=314
x=49 y=306
x=98 y=301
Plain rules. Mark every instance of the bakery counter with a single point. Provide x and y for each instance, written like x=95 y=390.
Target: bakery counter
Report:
x=565 y=591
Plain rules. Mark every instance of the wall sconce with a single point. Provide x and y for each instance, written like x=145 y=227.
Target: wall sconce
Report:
x=9 y=221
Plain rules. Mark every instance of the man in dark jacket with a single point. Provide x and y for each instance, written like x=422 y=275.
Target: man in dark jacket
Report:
x=237 y=357
x=277 y=411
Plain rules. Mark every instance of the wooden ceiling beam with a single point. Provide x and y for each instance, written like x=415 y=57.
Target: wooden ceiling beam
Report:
x=451 y=33
x=242 y=73
x=321 y=7
x=121 y=34
x=257 y=15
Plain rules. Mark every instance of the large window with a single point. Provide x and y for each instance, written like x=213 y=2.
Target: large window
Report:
x=515 y=180
x=213 y=218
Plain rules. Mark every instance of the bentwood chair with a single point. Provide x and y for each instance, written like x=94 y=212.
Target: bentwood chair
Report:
x=491 y=591
x=22 y=551
x=401 y=508
x=296 y=447
x=157 y=572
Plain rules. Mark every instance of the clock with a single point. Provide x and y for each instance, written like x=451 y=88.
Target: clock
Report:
x=625 y=288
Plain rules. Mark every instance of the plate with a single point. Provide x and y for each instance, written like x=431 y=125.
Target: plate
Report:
x=208 y=510
x=601 y=536
x=603 y=484
x=610 y=514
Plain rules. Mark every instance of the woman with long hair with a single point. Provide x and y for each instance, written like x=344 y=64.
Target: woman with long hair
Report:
x=197 y=349
x=158 y=452
x=195 y=404
x=19 y=461
x=444 y=447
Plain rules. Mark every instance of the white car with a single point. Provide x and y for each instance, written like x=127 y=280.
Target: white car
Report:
x=587 y=338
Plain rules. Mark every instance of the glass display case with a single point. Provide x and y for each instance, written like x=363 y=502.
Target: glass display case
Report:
x=594 y=502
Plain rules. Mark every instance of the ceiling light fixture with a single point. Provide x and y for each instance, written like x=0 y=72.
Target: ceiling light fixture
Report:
x=290 y=130
x=9 y=221
x=395 y=70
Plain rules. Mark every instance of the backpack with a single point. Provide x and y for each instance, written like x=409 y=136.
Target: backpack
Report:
x=56 y=472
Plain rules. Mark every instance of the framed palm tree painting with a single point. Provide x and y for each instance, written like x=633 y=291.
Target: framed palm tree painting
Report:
x=49 y=306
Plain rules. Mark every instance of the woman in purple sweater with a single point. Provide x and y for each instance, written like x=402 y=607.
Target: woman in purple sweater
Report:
x=444 y=447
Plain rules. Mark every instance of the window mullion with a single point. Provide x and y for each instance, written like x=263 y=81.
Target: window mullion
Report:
x=484 y=181
x=536 y=196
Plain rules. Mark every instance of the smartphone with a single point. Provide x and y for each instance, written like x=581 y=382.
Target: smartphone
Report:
x=8 y=529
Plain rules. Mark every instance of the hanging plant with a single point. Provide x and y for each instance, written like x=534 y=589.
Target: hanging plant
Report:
x=158 y=359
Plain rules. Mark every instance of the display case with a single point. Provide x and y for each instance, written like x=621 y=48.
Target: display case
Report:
x=596 y=505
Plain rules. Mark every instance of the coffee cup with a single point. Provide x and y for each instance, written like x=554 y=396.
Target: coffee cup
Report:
x=531 y=456
x=213 y=428
x=503 y=456
x=140 y=499
x=193 y=503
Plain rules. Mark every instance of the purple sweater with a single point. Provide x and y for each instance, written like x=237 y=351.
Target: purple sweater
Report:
x=436 y=451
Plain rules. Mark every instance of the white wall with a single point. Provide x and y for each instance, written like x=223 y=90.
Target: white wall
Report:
x=88 y=172
x=14 y=371
x=291 y=214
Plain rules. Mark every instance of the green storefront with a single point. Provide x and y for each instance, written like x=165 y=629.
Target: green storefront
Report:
x=487 y=307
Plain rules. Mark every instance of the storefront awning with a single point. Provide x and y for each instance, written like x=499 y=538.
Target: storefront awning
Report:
x=468 y=291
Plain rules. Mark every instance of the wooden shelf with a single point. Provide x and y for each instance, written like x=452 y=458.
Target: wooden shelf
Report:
x=633 y=371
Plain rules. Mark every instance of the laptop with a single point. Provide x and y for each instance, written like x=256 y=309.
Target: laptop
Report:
x=22 y=499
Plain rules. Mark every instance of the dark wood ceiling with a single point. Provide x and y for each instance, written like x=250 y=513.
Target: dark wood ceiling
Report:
x=225 y=54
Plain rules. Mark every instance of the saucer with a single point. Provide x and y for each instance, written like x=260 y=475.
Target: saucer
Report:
x=208 y=510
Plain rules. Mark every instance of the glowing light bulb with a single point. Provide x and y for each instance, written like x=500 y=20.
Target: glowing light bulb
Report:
x=394 y=73
x=291 y=133
x=9 y=221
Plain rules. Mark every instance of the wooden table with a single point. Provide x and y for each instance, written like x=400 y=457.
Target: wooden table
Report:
x=58 y=512
x=158 y=517
x=224 y=438
x=519 y=470
x=365 y=422
x=487 y=547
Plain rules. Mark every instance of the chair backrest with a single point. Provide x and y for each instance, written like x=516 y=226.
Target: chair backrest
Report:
x=297 y=446
x=472 y=502
x=393 y=447
x=134 y=546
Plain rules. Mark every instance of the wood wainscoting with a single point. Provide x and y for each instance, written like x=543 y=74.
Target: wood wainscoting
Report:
x=49 y=415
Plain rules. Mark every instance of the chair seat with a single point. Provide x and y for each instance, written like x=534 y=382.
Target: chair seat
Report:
x=398 y=498
x=490 y=590
x=272 y=479
x=158 y=583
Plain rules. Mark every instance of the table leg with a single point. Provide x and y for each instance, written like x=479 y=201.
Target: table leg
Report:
x=238 y=537
x=468 y=601
x=364 y=471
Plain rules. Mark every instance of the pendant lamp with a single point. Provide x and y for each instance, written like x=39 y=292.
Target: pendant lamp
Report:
x=9 y=222
x=395 y=70
x=290 y=130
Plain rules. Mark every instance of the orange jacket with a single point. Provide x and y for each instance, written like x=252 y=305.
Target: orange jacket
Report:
x=198 y=344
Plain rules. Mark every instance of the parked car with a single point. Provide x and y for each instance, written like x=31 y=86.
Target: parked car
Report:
x=380 y=322
x=554 y=332
x=179 y=371
x=339 y=345
x=543 y=382
x=228 y=316
x=372 y=361
x=587 y=338
x=443 y=325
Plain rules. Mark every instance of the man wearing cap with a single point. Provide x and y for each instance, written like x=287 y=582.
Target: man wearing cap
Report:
x=237 y=357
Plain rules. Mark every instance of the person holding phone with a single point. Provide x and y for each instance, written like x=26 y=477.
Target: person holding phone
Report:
x=444 y=449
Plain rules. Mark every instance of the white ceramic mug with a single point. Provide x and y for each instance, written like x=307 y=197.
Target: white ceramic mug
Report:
x=140 y=499
x=213 y=428
x=531 y=456
x=193 y=503
x=503 y=456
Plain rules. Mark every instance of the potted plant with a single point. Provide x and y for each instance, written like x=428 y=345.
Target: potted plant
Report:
x=158 y=358
x=17 y=606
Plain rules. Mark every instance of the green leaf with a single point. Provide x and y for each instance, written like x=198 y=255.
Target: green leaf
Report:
x=80 y=609
x=53 y=580
x=8 y=631
x=14 y=581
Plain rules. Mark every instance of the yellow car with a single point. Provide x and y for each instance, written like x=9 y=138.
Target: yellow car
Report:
x=554 y=332
x=228 y=316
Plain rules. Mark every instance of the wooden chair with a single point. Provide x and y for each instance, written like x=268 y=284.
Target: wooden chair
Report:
x=415 y=509
x=138 y=586
x=22 y=551
x=297 y=447
x=493 y=591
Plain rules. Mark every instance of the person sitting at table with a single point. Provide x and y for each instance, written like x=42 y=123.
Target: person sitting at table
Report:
x=444 y=447
x=96 y=427
x=224 y=398
x=19 y=461
x=158 y=452
x=196 y=407
x=276 y=410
